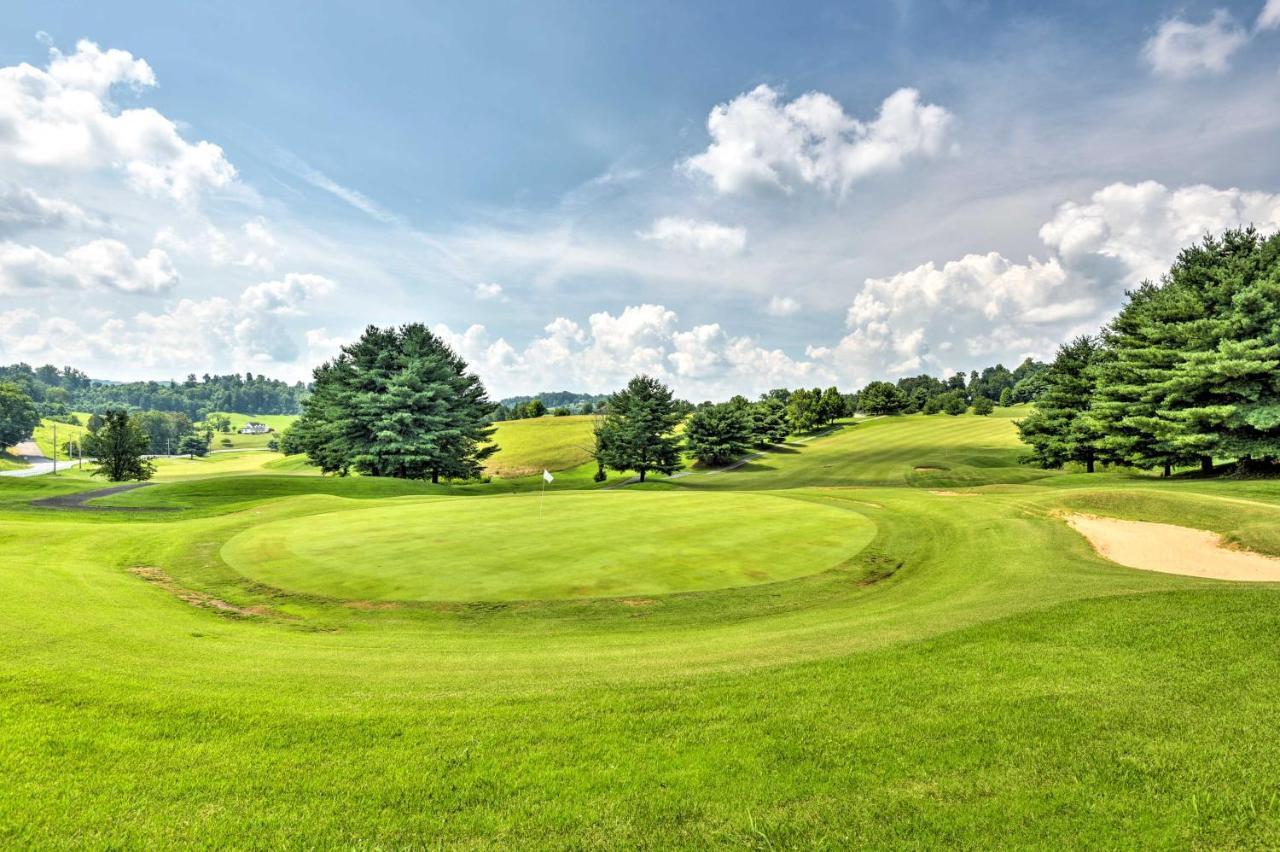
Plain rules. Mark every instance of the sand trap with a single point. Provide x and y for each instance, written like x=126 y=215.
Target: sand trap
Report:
x=952 y=493
x=1173 y=550
x=927 y=469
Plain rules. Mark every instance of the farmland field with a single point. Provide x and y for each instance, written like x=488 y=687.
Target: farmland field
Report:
x=883 y=636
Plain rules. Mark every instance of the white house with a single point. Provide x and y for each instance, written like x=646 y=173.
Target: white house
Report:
x=252 y=428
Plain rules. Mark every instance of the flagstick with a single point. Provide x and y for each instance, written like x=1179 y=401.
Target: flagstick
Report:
x=541 y=496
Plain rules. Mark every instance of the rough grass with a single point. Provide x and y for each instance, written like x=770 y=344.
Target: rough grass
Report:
x=974 y=676
x=544 y=443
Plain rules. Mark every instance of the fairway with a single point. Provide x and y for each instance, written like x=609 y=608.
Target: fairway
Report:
x=511 y=549
x=813 y=649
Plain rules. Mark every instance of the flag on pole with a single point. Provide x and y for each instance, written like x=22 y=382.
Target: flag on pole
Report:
x=547 y=477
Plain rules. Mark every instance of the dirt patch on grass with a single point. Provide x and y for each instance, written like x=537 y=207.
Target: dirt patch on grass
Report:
x=637 y=602
x=952 y=493
x=157 y=577
x=371 y=606
x=80 y=500
x=1172 y=549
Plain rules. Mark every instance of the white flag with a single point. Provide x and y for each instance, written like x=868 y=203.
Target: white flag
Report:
x=547 y=477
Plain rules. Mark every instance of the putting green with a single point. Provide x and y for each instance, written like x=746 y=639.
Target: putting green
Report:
x=582 y=545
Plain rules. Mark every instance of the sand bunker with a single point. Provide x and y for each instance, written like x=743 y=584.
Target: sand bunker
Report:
x=952 y=493
x=1173 y=550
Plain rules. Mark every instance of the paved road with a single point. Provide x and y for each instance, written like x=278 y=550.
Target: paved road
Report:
x=39 y=463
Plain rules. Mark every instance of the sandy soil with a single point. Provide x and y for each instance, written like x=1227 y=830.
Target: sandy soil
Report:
x=952 y=493
x=1173 y=550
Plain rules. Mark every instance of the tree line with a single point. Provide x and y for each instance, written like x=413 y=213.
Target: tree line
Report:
x=1187 y=374
x=57 y=392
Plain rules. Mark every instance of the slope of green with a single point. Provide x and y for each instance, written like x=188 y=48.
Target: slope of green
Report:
x=970 y=674
x=44 y=434
x=515 y=548
x=543 y=443
x=234 y=440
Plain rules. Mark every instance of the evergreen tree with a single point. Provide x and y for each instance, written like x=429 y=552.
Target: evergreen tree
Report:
x=718 y=434
x=1222 y=398
x=881 y=398
x=397 y=402
x=638 y=431
x=1059 y=430
x=769 y=421
x=1006 y=397
x=118 y=448
x=983 y=406
x=192 y=446
x=955 y=403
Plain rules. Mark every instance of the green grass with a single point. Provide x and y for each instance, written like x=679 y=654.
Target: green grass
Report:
x=946 y=672
x=543 y=443
x=66 y=432
x=521 y=548
x=234 y=440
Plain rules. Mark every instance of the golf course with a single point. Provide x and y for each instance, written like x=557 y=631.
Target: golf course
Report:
x=885 y=634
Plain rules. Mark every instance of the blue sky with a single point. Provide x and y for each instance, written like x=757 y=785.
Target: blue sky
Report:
x=733 y=196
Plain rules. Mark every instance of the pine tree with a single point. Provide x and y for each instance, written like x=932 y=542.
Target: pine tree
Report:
x=881 y=398
x=1058 y=430
x=1224 y=395
x=397 y=402
x=769 y=421
x=638 y=433
x=718 y=434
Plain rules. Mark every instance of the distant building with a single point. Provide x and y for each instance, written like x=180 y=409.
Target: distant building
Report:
x=252 y=428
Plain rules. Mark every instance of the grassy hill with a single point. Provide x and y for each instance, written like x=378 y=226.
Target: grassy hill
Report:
x=882 y=637
x=543 y=443
x=236 y=441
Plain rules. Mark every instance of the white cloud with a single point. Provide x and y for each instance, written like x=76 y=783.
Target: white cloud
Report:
x=782 y=306
x=702 y=361
x=62 y=118
x=758 y=139
x=22 y=209
x=102 y=264
x=1269 y=17
x=986 y=305
x=487 y=290
x=286 y=296
x=189 y=335
x=1180 y=49
x=695 y=235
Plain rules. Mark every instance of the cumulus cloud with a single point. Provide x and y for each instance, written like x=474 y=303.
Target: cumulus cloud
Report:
x=487 y=290
x=782 y=306
x=693 y=235
x=286 y=296
x=191 y=334
x=758 y=138
x=1180 y=49
x=102 y=264
x=62 y=117
x=22 y=209
x=938 y=318
x=700 y=361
